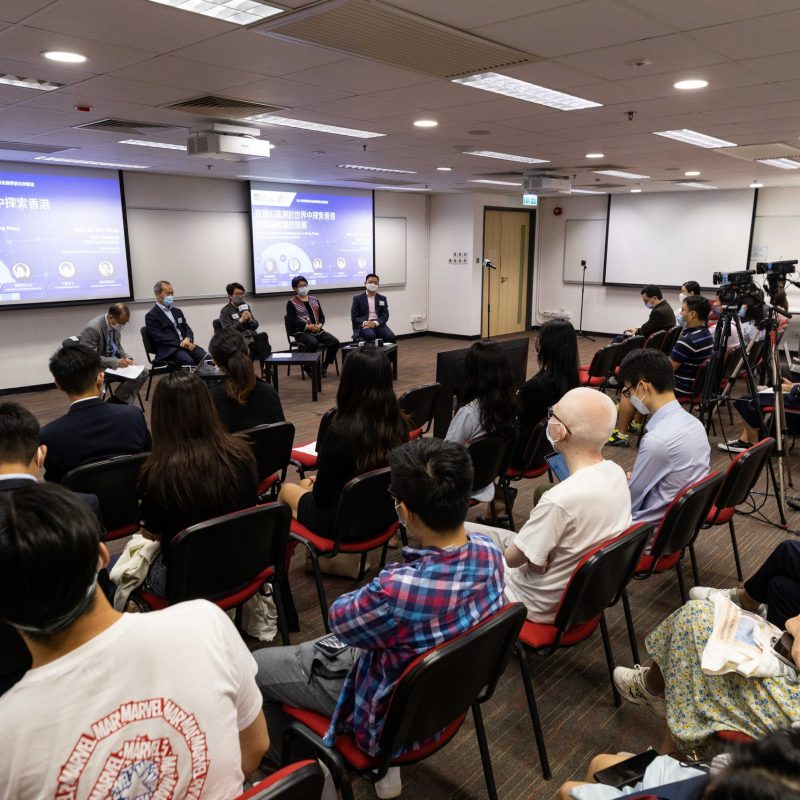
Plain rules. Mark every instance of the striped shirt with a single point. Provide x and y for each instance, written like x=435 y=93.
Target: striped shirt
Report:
x=690 y=351
x=409 y=608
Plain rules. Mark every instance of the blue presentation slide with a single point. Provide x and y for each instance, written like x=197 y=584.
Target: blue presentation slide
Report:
x=326 y=235
x=62 y=237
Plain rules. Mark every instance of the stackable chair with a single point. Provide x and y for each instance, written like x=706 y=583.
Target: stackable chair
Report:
x=655 y=340
x=304 y=460
x=157 y=367
x=299 y=347
x=671 y=336
x=490 y=455
x=601 y=369
x=434 y=694
x=302 y=780
x=420 y=405
x=272 y=445
x=598 y=582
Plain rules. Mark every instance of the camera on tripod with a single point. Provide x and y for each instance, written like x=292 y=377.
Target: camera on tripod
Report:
x=769 y=268
x=737 y=288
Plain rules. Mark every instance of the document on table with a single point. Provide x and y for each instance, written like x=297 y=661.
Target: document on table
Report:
x=309 y=449
x=131 y=373
x=282 y=355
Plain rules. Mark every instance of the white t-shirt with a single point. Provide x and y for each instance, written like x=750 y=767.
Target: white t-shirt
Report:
x=150 y=708
x=591 y=505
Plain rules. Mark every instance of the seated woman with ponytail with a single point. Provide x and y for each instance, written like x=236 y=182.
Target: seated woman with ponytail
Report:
x=242 y=400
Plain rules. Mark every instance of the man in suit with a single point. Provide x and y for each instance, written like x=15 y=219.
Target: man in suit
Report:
x=370 y=313
x=91 y=430
x=104 y=335
x=169 y=330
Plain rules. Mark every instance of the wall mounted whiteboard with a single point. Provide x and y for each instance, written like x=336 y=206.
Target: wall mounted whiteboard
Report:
x=390 y=250
x=585 y=240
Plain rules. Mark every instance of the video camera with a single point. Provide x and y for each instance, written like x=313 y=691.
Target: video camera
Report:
x=737 y=288
x=769 y=268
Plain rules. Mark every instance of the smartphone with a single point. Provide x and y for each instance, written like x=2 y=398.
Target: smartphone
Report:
x=783 y=649
x=331 y=645
x=558 y=466
x=628 y=772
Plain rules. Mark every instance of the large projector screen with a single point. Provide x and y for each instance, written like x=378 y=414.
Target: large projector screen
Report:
x=668 y=238
x=323 y=233
x=62 y=236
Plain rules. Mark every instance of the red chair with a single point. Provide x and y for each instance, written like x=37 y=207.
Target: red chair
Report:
x=432 y=696
x=598 y=582
x=304 y=460
x=740 y=478
x=671 y=336
x=420 y=405
x=272 y=445
x=365 y=520
x=655 y=340
x=604 y=363
x=300 y=781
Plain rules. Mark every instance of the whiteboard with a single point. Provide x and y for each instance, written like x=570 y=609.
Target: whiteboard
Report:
x=780 y=236
x=585 y=240
x=390 y=249
x=668 y=238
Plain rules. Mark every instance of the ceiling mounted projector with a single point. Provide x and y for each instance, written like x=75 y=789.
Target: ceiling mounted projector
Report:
x=541 y=184
x=229 y=143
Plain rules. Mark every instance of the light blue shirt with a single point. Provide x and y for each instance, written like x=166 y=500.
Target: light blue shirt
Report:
x=674 y=452
x=168 y=314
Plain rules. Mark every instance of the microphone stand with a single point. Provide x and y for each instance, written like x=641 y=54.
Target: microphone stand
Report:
x=583 y=289
x=487 y=264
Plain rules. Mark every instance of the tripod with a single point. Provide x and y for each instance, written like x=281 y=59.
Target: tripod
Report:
x=583 y=289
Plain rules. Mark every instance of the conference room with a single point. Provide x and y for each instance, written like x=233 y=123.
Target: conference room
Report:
x=498 y=172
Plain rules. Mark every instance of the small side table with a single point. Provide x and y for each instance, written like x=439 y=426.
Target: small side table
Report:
x=312 y=360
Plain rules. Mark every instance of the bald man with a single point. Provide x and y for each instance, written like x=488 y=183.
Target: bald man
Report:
x=591 y=505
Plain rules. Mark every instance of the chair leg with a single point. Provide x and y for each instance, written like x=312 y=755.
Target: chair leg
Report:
x=693 y=559
x=629 y=622
x=483 y=746
x=149 y=384
x=736 y=551
x=323 y=600
x=404 y=535
x=362 y=568
x=534 y=712
x=508 y=502
x=283 y=628
x=384 y=551
x=681 y=582
x=609 y=659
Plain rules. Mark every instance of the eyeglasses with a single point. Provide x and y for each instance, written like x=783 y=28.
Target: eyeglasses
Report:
x=552 y=415
x=393 y=495
x=625 y=391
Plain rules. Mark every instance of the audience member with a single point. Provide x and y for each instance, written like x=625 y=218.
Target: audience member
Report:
x=557 y=353
x=591 y=505
x=164 y=702
x=694 y=346
x=368 y=424
x=370 y=313
x=196 y=470
x=661 y=314
x=305 y=320
x=104 y=335
x=169 y=330
x=242 y=399
x=488 y=404
x=688 y=289
x=236 y=314
x=439 y=590
x=91 y=430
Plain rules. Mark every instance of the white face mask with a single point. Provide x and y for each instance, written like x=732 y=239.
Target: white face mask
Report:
x=302 y=291
x=639 y=405
x=682 y=297
x=549 y=436
x=372 y=287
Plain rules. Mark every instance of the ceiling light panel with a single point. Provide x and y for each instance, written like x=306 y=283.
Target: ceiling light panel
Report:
x=271 y=119
x=615 y=173
x=271 y=179
x=584 y=191
x=522 y=90
x=79 y=162
x=377 y=169
x=64 y=56
x=698 y=185
x=495 y=183
x=239 y=12
x=692 y=83
x=30 y=83
x=781 y=163
x=159 y=145
x=505 y=156
x=693 y=137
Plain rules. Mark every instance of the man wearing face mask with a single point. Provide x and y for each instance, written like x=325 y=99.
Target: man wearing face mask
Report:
x=661 y=314
x=370 y=313
x=169 y=330
x=675 y=450
x=304 y=321
x=688 y=289
x=236 y=314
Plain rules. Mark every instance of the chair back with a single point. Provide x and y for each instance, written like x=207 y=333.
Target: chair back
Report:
x=272 y=445
x=538 y=446
x=743 y=473
x=365 y=509
x=671 y=336
x=606 y=360
x=731 y=361
x=301 y=781
x=420 y=405
x=601 y=575
x=216 y=325
x=293 y=343
x=218 y=558
x=149 y=345
x=685 y=515
x=113 y=480
x=489 y=456
x=438 y=687
x=630 y=344
x=655 y=340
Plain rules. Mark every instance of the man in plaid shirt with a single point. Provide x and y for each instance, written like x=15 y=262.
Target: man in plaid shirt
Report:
x=441 y=589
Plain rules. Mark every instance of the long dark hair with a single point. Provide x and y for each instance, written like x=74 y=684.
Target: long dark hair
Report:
x=557 y=353
x=367 y=407
x=194 y=460
x=229 y=349
x=489 y=379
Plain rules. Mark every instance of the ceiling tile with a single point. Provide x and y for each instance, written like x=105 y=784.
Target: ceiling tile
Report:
x=289 y=94
x=44 y=70
x=688 y=14
x=363 y=107
x=358 y=76
x=780 y=67
x=432 y=95
x=468 y=14
x=737 y=97
x=18 y=10
x=186 y=74
x=150 y=94
x=752 y=38
x=101 y=107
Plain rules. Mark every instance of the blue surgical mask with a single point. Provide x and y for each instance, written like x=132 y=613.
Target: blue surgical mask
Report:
x=742 y=311
x=168 y=300
x=302 y=291
x=238 y=299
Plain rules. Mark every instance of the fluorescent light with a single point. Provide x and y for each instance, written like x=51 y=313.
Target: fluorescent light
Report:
x=425 y=123
x=269 y=119
x=161 y=145
x=78 y=161
x=692 y=173
x=444 y=169
x=583 y=191
x=595 y=155
x=697 y=185
x=402 y=188
x=64 y=56
x=692 y=83
x=505 y=156
x=695 y=138
x=756 y=185
x=636 y=191
x=495 y=183
x=615 y=173
x=377 y=169
x=522 y=90
x=239 y=12
x=781 y=163
x=30 y=83
x=272 y=179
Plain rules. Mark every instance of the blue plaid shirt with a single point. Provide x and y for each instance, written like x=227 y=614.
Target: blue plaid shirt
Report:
x=407 y=609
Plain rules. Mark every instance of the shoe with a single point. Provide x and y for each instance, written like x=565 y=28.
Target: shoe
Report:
x=630 y=683
x=390 y=785
x=734 y=446
x=618 y=439
x=613 y=382
x=708 y=592
x=635 y=427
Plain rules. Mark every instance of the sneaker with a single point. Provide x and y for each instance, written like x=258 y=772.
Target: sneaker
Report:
x=390 y=785
x=734 y=446
x=630 y=683
x=708 y=592
x=618 y=439
x=635 y=427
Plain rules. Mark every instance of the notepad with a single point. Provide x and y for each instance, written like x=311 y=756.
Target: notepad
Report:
x=131 y=373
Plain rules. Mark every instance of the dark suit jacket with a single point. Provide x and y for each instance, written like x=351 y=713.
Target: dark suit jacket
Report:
x=11 y=484
x=91 y=431
x=163 y=333
x=359 y=312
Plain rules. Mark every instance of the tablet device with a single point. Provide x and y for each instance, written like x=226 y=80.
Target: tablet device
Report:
x=558 y=466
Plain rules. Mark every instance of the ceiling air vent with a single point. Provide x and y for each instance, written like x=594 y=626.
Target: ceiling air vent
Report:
x=383 y=181
x=212 y=106
x=27 y=147
x=759 y=152
x=126 y=126
x=371 y=29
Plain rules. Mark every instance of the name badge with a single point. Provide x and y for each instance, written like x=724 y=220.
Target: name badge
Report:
x=381 y=303
x=234 y=316
x=180 y=320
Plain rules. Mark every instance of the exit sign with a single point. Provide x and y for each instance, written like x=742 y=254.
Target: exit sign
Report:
x=530 y=200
